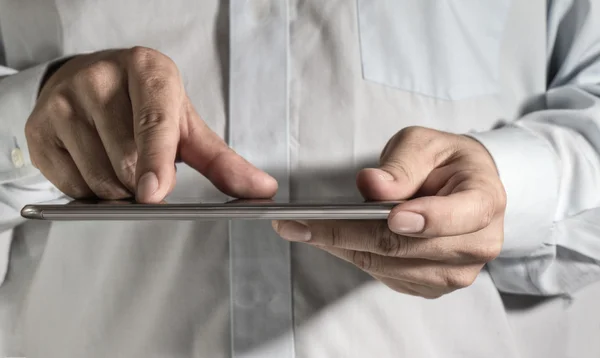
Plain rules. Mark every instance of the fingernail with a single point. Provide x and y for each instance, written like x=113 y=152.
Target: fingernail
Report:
x=147 y=186
x=406 y=222
x=293 y=231
x=385 y=176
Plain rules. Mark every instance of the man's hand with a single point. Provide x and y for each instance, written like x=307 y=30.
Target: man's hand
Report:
x=113 y=123
x=437 y=241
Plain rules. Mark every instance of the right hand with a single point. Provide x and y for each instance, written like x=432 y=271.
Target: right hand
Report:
x=112 y=124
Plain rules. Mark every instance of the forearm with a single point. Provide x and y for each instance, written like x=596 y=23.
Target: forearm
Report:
x=549 y=162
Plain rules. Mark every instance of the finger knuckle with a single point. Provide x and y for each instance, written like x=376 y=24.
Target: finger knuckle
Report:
x=363 y=260
x=388 y=243
x=128 y=163
x=142 y=56
x=458 y=278
x=413 y=138
x=95 y=76
x=159 y=83
x=55 y=109
x=150 y=120
x=420 y=139
x=127 y=167
x=335 y=236
x=33 y=133
x=147 y=59
x=413 y=132
x=482 y=253
x=58 y=105
x=490 y=251
x=486 y=208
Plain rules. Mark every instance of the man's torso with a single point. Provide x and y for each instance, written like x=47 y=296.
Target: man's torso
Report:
x=351 y=74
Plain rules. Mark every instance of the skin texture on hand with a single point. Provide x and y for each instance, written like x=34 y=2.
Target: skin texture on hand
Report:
x=437 y=241
x=111 y=124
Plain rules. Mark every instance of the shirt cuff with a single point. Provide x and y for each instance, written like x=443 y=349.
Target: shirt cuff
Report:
x=529 y=170
x=18 y=95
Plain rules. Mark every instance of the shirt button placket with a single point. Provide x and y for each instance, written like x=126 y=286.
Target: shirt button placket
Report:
x=261 y=309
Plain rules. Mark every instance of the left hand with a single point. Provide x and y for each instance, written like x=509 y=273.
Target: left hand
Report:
x=437 y=241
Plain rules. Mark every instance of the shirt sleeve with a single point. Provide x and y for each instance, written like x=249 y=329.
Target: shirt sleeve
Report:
x=549 y=162
x=20 y=182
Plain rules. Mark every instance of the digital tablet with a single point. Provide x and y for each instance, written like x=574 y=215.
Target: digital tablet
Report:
x=187 y=209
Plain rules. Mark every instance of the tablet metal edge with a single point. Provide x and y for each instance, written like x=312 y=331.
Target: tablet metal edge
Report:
x=117 y=214
x=32 y=212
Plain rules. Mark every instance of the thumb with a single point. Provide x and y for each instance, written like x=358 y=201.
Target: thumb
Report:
x=406 y=162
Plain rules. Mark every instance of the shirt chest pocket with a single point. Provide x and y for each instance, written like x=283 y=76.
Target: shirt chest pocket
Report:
x=446 y=49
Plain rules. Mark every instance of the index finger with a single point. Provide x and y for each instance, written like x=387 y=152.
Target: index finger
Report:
x=202 y=149
x=371 y=236
x=157 y=95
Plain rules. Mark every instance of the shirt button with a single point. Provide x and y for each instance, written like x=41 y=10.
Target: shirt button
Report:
x=251 y=295
x=17 y=158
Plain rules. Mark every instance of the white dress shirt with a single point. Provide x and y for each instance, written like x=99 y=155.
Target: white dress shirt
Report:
x=310 y=91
